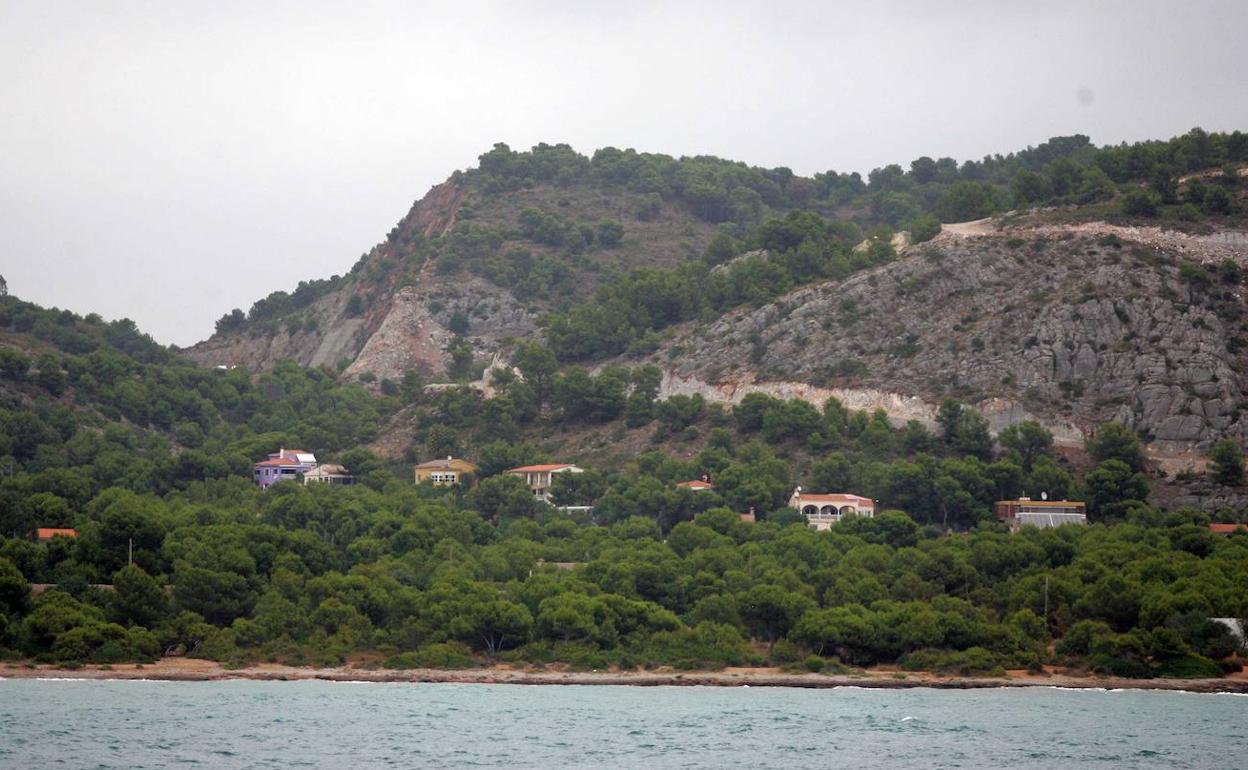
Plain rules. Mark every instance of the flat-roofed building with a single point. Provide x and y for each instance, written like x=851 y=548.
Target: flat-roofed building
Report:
x=1025 y=512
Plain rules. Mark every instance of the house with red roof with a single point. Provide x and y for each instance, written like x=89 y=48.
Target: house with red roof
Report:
x=284 y=465
x=45 y=534
x=539 y=477
x=1227 y=529
x=824 y=510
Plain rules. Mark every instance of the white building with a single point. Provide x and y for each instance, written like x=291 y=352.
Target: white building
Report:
x=328 y=473
x=822 y=511
x=1025 y=512
x=539 y=477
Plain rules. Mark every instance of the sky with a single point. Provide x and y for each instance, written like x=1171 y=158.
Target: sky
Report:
x=169 y=161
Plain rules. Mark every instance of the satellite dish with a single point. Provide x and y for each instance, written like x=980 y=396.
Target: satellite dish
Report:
x=1044 y=495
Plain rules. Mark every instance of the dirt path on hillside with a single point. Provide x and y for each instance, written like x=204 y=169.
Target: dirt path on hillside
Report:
x=1212 y=247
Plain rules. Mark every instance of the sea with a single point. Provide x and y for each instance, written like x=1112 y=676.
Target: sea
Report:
x=358 y=726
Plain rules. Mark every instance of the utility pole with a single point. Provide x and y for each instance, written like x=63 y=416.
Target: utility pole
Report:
x=130 y=554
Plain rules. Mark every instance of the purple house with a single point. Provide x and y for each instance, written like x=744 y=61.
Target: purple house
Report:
x=286 y=464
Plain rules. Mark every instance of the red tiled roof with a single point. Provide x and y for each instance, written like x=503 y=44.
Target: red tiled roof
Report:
x=696 y=484
x=47 y=533
x=540 y=468
x=278 y=461
x=1226 y=529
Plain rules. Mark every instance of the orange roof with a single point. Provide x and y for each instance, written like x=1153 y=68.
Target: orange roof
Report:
x=278 y=461
x=1226 y=529
x=696 y=484
x=540 y=468
x=47 y=533
x=833 y=498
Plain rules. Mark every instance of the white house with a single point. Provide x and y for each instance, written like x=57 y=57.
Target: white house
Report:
x=822 y=511
x=328 y=473
x=539 y=477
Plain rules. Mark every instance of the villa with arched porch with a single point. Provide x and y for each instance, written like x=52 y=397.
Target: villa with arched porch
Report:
x=822 y=511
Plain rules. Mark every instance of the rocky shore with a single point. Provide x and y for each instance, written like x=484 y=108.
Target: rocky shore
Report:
x=186 y=670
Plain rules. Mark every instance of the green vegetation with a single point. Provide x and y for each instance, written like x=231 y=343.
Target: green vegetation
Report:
x=549 y=224
x=149 y=458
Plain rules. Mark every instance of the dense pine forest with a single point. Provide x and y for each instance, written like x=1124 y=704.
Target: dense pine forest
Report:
x=149 y=459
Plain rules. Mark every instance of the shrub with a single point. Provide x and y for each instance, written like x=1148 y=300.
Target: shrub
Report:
x=923 y=228
x=1138 y=203
x=784 y=651
x=1127 y=668
x=443 y=655
x=706 y=645
x=974 y=661
x=1190 y=666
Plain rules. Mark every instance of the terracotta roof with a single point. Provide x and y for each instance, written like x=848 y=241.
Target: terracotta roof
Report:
x=541 y=468
x=47 y=533
x=278 y=461
x=696 y=484
x=1226 y=529
x=806 y=497
x=1043 y=503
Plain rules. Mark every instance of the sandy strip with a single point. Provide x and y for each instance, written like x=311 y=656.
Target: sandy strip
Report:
x=186 y=670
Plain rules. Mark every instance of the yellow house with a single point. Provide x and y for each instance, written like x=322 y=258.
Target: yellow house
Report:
x=444 y=473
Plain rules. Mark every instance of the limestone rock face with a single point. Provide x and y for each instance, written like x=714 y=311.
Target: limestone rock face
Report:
x=1058 y=327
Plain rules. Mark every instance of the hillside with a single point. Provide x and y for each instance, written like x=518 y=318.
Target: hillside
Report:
x=475 y=260
x=1096 y=291
x=175 y=552
x=1073 y=326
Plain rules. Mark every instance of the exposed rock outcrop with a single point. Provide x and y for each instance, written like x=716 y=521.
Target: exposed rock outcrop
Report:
x=1062 y=326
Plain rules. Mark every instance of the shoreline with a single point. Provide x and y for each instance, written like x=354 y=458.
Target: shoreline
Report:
x=185 y=670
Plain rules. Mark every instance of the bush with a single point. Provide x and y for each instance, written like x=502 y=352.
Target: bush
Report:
x=784 y=651
x=1138 y=203
x=705 y=646
x=923 y=228
x=974 y=661
x=1127 y=668
x=1190 y=666
x=443 y=655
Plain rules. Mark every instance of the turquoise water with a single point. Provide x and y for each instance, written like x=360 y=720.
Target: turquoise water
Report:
x=241 y=724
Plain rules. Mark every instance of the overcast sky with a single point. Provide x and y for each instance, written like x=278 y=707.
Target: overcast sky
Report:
x=168 y=161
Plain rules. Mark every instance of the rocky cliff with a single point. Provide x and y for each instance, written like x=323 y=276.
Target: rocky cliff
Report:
x=1053 y=315
x=1069 y=325
x=448 y=271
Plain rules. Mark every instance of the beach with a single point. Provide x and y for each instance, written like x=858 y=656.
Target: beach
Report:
x=194 y=670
